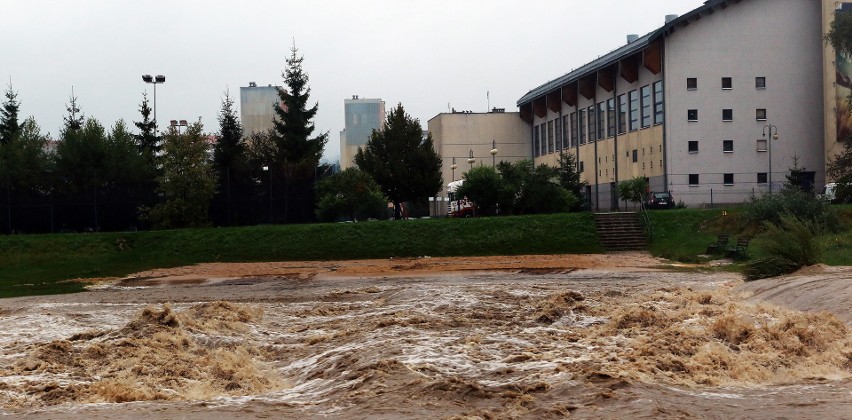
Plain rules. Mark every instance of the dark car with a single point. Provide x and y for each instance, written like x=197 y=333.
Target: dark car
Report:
x=660 y=200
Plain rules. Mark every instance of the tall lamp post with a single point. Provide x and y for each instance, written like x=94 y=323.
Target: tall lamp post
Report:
x=453 y=167
x=471 y=159
x=770 y=132
x=158 y=79
x=266 y=169
x=493 y=152
x=178 y=124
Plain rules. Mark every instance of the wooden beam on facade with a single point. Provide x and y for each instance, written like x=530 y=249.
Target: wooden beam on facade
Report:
x=629 y=68
x=586 y=86
x=554 y=101
x=653 y=57
x=540 y=107
x=606 y=78
x=569 y=94
x=527 y=112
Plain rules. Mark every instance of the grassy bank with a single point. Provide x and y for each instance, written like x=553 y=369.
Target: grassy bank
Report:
x=37 y=264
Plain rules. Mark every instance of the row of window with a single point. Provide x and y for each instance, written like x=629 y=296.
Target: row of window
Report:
x=727 y=146
x=727 y=179
x=727 y=83
x=727 y=115
x=632 y=111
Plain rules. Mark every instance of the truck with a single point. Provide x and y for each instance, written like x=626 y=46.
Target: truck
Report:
x=458 y=206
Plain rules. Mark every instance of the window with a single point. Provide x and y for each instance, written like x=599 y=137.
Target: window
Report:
x=622 y=114
x=693 y=180
x=728 y=179
x=658 y=102
x=760 y=82
x=691 y=83
x=727 y=115
x=693 y=146
x=582 y=167
x=537 y=140
x=592 y=129
x=761 y=178
x=646 y=105
x=602 y=120
x=761 y=145
x=728 y=146
x=634 y=110
x=557 y=124
x=574 y=129
x=582 y=121
x=692 y=115
x=760 y=114
x=727 y=83
x=610 y=117
x=635 y=156
x=549 y=148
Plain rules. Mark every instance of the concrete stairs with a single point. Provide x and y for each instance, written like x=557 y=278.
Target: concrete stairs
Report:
x=621 y=231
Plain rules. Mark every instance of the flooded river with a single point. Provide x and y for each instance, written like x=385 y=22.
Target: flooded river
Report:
x=537 y=343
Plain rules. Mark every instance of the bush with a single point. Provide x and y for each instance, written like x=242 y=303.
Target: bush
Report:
x=768 y=267
x=790 y=201
x=790 y=246
x=633 y=189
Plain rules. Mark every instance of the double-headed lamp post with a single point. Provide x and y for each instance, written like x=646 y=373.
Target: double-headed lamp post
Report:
x=158 y=79
x=453 y=167
x=178 y=124
x=770 y=132
x=493 y=152
x=471 y=159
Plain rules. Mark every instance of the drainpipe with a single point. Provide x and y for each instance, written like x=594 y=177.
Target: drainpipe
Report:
x=665 y=119
x=615 y=135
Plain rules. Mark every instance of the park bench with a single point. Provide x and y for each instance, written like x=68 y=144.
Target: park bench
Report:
x=739 y=250
x=720 y=244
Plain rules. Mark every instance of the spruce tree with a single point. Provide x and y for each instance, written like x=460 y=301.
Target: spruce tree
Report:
x=229 y=150
x=74 y=119
x=293 y=124
x=147 y=139
x=9 y=126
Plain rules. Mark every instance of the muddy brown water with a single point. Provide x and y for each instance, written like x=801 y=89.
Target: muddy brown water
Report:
x=500 y=344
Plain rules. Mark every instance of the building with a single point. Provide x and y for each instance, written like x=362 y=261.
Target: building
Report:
x=257 y=107
x=695 y=105
x=362 y=117
x=461 y=136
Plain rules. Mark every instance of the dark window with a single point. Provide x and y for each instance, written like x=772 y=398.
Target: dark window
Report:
x=760 y=82
x=573 y=129
x=601 y=120
x=693 y=179
x=635 y=156
x=646 y=106
x=622 y=114
x=610 y=117
x=760 y=114
x=592 y=128
x=582 y=119
x=558 y=128
x=658 y=102
x=727 y=83
x=728 y=146
x=761 y=178
x=691 y=83
x=728 y=179
x=634 y=110
x=692 y=115
x=537 y=140
x=550 y=146
x=727 y=115
x=693 y=146
x=582 y=167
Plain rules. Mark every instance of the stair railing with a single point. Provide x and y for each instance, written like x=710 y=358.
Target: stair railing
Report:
x=643 y=211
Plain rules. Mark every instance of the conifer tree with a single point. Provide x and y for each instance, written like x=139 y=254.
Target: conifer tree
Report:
x=9 y=126
x=74 y=119
x=229 y=151
x=147 y=139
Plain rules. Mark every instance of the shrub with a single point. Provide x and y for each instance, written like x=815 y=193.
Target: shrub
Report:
x=793 y=201
x=790 y=246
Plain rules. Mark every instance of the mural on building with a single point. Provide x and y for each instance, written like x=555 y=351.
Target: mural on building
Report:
x=843 y=71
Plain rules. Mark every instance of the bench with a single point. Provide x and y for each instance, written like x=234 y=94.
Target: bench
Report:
x=720 y=244
x=739 y=250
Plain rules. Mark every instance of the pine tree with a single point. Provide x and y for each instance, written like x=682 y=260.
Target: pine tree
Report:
x=401 y=161
x=293 y=121
x=147 y=139
x=74 y=119
x=9 y=126
x=229 y=151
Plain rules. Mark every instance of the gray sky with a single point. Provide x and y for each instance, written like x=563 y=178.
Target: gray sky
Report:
x=427 y=55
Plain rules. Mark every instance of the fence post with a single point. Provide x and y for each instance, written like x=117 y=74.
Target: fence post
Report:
x=711 y=198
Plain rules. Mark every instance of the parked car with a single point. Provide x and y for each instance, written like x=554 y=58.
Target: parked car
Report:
x=660 y=200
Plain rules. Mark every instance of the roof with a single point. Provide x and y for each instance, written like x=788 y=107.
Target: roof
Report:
x=618 y=54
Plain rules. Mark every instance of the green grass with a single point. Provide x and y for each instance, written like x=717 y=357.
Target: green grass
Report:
x=38 y=264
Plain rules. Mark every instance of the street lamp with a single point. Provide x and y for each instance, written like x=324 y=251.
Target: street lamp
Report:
x=768 y=130
x=178 y=124
x=493 y=152
x=453 y=167
x=158 y=79
x=266 y=169
x=471 y=159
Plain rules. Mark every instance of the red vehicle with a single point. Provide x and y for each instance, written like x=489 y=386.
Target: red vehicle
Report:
x=458 y=206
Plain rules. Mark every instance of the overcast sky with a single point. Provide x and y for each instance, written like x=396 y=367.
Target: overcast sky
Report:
x=427 y=55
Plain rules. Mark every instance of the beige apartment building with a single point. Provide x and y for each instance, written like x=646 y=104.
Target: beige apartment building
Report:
x=716 y=105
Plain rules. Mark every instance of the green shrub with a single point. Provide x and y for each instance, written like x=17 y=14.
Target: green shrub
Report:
x=793 y=201
x=790 y=246
x=768 y=267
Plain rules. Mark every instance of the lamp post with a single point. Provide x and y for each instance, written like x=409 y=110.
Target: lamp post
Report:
x=768 y=130
x=158 y=79
x=493 y=152
x=178 y=124
x=266 y=169
x=453 y=167
x=471 y=159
